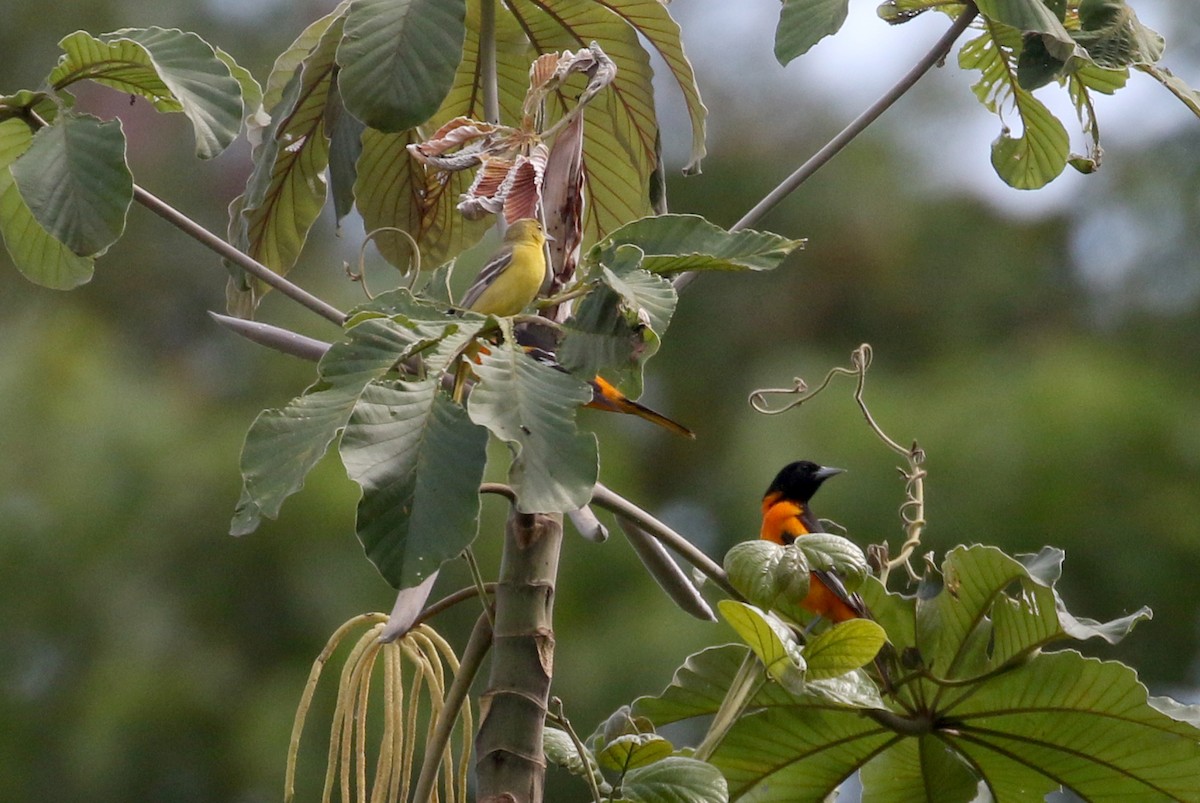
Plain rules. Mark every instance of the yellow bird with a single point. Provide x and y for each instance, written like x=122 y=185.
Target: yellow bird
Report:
x=511 y=279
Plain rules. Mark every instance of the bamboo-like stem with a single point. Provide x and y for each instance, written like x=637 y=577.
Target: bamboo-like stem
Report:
x=223 y=249
x=472 y=659
x=847 y=134
x=509 y=760
x=487 y=61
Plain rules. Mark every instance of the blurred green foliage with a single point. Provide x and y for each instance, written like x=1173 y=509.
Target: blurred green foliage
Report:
x=146 y=655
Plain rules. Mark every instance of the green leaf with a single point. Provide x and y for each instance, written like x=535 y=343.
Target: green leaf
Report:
x=345 y=147
x=632 y=750
x=842 y=648
x=1081 y=722
x=560 y=750
x=599 y=339
x=803 y=23
x=771 y=640
x=828 y=551
x=1039 y=155
x=46 y=106
x=286 y=190
x=647 y=296
x=921 y=769
x=675 y=779
x=532 y=407
x=398 y=59
x=174 y=70
x=769 y=575
x=1114 y=37
x=419 y=461
x=1031 y=16
x=283 y=445
x=39 y=256
x=654 y=22
x=74 y=179
x=1177 y=86
x=676 y=243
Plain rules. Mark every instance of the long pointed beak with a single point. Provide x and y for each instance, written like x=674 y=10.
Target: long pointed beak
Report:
x=825 y=472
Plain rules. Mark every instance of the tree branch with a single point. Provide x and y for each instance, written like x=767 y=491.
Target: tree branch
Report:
x=856 y=127
x=252 y=266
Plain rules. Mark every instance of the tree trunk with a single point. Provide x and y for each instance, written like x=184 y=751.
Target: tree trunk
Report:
x=510 y=765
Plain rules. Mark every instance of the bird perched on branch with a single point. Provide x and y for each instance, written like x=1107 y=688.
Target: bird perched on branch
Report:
x=511 y=278
x=786 y=516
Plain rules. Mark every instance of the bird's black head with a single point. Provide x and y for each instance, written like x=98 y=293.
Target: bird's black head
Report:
x=800 y=480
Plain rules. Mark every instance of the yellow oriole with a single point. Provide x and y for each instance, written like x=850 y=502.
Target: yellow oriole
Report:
x=786 y=515
x=512 y=277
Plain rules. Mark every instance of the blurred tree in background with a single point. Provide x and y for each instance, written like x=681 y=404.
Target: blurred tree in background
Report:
x=149 y=656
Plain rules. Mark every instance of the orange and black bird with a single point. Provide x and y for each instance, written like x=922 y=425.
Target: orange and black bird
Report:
x=786 y=515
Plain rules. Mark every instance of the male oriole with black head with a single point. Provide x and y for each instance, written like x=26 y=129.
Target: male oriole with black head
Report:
x=786 y=516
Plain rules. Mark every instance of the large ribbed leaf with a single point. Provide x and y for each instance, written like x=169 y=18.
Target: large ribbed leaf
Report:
x=803 y=23
x=398 y=59
x=286 y=190
x=419 y=460
x=651 y=19
x=43 y=259
x=1031 y=16
x=1039 y=155
x=74 y=179
x=532 y=407
x=1012 y=718
x=174 y=70
x=284 y=444
x=676 y=243
x=620 y=127
x=1082 y=722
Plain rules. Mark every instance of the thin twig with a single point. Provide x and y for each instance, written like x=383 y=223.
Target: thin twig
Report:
x=450 y=600
x=622 y=507
x=558 y=716
x=912 y=511
x=847 y=135
x=223 y=249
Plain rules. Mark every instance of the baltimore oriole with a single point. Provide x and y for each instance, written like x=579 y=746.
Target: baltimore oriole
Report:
x=786 y=515
x=606 y=397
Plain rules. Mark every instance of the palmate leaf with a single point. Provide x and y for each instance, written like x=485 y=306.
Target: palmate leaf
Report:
x=419 y=460
x=1039 y=155
x=74 y=180
x=174 y=70
x=1015 y=719
x=398 y=59
x=803 y=23
x=36 y=253
x=532 y=407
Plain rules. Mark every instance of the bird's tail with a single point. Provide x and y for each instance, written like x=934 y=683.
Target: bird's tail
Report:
x=607 y=397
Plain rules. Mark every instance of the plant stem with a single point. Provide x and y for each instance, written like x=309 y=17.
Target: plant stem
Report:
x=252 y=266
x=487 y=61
x=510 y=763
x=856 y=127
